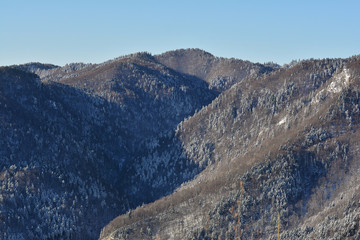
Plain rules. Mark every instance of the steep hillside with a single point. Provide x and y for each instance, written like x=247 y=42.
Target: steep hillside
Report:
x=68 y=146
x=57 y=174
x=279 y=153
x=154 y=98
x=220 y=73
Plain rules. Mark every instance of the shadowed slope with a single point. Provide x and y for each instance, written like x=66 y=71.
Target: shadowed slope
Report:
x=69 y=150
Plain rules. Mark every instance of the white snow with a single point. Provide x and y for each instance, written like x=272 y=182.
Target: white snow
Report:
x=318 y=96
x=282 y=121
x=340 y=81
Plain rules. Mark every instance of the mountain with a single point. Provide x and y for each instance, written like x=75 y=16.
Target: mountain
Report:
x=84 y=143
x=181 y=145
x=279 y=154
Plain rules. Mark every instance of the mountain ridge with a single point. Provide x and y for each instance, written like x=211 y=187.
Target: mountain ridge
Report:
x=220 y=73
x=165 y=141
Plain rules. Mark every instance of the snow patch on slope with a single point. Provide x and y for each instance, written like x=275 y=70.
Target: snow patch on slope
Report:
x=340 y=82
x=282 y=121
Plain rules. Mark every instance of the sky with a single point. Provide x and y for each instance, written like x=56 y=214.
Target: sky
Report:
x=90 y=31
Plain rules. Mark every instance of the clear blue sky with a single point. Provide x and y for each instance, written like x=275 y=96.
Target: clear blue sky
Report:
x=65 y=31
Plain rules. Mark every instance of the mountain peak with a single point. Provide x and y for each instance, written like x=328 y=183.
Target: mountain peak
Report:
x=146 y=56
x=187 y=52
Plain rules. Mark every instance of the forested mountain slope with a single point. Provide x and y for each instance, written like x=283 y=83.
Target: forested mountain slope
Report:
x=279 y=153
x=83 y=143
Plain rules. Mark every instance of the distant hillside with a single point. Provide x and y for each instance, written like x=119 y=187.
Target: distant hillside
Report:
x=220 y=73
x=39 y=69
